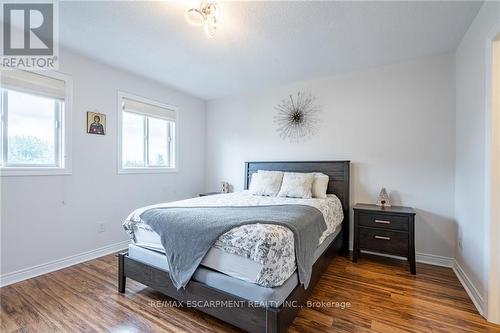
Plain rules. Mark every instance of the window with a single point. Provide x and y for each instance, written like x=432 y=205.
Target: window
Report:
x=148 y=135
x=34 y=123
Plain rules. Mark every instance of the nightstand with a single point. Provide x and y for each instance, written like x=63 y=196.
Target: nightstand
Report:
x=389 y=230
x=209 y=193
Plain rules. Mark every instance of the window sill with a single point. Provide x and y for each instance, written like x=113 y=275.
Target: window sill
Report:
x=146 y=170
x=33 y=171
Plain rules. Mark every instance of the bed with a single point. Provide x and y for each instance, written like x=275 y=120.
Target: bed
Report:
x=260 y=300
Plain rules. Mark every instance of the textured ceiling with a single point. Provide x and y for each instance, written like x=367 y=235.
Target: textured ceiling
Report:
x=260 y=44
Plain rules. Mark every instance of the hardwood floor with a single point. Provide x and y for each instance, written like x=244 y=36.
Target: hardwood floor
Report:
x=383 y=297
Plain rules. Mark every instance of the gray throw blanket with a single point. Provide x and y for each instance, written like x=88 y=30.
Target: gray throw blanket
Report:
x=187 y=234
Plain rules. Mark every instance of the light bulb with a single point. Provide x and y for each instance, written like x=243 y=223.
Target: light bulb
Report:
x=194 y=16
x=210 y=29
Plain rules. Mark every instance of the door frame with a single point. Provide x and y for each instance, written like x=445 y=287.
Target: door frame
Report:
x=492 y=231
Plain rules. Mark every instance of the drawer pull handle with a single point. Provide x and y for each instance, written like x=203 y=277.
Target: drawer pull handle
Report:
x=383 y=237
x=383 y=221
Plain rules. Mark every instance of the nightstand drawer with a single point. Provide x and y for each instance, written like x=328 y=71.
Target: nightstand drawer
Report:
x=385 y=221
x=386 y=241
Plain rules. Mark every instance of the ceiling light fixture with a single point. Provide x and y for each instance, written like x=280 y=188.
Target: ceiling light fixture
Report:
x=208 y=15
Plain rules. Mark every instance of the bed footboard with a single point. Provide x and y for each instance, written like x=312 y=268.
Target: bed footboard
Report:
x=247 y=315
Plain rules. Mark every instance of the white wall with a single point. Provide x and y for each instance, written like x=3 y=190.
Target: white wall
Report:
x=396 y=124
x=470 y=145
x=46 y=218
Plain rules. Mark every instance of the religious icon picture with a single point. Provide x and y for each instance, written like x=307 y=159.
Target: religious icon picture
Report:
x=96 y=123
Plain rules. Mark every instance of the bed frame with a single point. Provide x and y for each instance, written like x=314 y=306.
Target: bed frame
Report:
x=250 y=317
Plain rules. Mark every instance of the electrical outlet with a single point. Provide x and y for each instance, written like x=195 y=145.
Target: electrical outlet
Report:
x=460 y=245
x=101 y=227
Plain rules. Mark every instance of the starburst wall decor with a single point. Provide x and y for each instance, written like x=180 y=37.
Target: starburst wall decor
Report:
x=297 y=118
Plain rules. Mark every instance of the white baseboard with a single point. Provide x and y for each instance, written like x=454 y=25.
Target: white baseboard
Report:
x=55 y=265
x=435 y=260
x=469 y=287
x=423 y=258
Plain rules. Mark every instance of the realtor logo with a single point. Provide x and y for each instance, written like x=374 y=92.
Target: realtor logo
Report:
x=29 y=35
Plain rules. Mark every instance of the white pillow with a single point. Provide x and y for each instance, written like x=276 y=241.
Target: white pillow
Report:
x=320 y=185
x=266 y=183
x=297 y=185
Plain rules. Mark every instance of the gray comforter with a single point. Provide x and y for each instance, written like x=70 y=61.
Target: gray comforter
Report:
x=187 y=234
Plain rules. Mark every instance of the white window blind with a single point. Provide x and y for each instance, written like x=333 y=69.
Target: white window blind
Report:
x=147 y=109
x=33 y=83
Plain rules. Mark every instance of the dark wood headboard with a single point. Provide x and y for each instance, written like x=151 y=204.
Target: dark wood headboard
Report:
x=338 y=171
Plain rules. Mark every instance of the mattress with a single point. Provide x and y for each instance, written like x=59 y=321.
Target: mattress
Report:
x=263 y=254
x=264 y=296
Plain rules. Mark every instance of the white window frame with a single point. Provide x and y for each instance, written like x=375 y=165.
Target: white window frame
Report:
x=141 y=170
x=63 y=145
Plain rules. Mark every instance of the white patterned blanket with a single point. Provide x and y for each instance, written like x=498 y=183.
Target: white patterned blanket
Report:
x=272 y=246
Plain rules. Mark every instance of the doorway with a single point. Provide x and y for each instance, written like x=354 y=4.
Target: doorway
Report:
x=493 y=182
